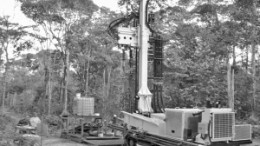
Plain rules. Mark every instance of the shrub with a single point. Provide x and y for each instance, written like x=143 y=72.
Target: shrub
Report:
x=7 y=129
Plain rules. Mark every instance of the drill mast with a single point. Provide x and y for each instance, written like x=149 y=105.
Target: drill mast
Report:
x=144 y=94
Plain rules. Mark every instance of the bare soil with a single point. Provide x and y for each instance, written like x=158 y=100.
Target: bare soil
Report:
x=60 y=142
x=256 y=142
x=64 y=142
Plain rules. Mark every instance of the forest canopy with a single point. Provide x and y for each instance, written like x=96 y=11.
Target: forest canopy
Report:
x=210 y=53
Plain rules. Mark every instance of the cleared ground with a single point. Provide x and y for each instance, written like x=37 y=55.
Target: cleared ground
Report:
x=64 y=142
x=60 y=142
x=256 y=142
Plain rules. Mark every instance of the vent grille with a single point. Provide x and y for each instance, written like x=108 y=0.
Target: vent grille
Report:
x=223 y=125
x=242 y=132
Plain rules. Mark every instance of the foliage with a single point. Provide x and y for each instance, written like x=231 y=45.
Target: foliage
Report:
x=77 y=27
x=199 y=41
x=7 y=130
x=198 y=49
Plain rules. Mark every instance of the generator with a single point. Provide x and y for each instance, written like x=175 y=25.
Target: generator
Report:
x=218 y=125
x=212 y=124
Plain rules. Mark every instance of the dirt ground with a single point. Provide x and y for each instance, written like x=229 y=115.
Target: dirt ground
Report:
x=256 y=142
x=60 y=142
x=63 y=142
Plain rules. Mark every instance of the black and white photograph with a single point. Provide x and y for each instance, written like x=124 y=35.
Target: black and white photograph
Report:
x=129 y=72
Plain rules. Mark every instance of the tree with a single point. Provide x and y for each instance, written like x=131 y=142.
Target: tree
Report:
x=57 y=17
x=77 y=55
x=11 y=37
x=72 y=28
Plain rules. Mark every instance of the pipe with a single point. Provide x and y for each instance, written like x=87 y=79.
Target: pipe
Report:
x=145 y=96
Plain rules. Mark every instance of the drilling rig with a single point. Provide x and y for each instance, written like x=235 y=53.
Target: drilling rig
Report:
x=149 y=123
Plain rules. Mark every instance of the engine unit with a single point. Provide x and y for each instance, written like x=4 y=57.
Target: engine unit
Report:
x=181 y=123
x=220 y=123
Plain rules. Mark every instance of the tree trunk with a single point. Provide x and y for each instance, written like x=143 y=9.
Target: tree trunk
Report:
x=234 y=56
x=66 y=82
x=50 y=84
x=229 y=84
x=3 y=97
x=254 y=51
x=254 y=78
x=8 y=99
x=246 y=59
x=104 y=83
x=63 y=77
x=104 y=90
x=87 y=75
x=108 y=81
x=230 y=81
x=49 y=94
x=61 y=91
x=46 y=79
x=14 y=99
x=5 y=77
x=63 y=85
x=232 y=98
